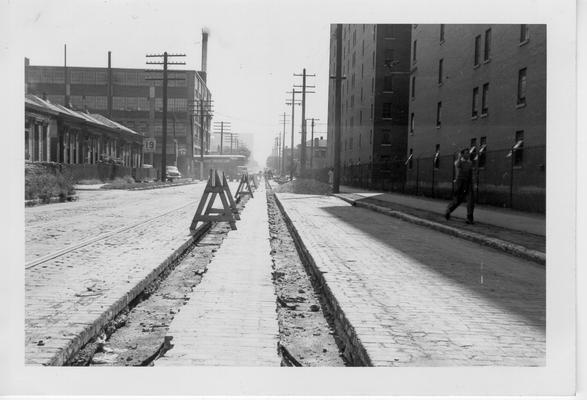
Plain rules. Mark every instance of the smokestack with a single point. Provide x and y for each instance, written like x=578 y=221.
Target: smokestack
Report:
x=204 y=52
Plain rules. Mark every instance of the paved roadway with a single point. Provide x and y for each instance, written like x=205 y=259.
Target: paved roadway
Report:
x=64 y=296
x=417 y=297
x=49 y=228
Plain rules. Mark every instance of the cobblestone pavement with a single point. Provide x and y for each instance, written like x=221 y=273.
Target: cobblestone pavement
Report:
x=231 y=318
x=52 y=227
x=417 y=297
x=64 y=296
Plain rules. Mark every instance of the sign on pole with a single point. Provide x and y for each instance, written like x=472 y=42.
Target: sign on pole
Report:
x=149 y=145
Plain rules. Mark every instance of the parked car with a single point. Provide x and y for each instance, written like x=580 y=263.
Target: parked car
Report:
x=172 y=173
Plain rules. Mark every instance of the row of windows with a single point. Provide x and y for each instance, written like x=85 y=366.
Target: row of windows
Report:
x=88 y=77
x=100 y=77
x=479 y=153
x=142 y=78
x=486 y=38
x=46 y=75
x=178 y=128
x=90 y=102
x=142 y=104
x=521 y=99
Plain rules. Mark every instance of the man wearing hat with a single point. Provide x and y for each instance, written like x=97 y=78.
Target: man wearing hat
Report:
x=464 y=186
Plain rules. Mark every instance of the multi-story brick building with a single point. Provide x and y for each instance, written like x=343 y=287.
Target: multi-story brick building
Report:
x=375 y=63
x=127 y=96
x=482 y=87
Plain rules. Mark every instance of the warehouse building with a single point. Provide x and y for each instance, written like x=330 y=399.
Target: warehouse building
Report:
x=130 y=97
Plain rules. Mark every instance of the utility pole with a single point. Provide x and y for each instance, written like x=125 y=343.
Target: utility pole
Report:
x=293 y=104
x=337 y=109
x=224 y=127
x=203 y=109
x=165 y=64
x=303 y=146
x=282 y=169
x=312 y=143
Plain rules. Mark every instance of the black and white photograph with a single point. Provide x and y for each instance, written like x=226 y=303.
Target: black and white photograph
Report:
x=207 y=197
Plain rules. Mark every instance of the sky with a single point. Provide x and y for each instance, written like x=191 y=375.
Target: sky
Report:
x=254 y=48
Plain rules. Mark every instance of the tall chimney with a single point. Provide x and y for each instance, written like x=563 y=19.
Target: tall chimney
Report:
x=204 y=53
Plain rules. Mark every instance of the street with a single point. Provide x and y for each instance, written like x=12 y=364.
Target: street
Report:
x=411 y=295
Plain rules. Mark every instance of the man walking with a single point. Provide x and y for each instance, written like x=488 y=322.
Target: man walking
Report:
x=464 y=186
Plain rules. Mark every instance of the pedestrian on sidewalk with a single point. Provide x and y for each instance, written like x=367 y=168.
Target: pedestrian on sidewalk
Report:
x=464 y=186
x=331 y=178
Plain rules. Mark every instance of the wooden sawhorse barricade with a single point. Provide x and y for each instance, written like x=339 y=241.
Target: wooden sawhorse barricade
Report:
x=244 y=186
x=206 y=212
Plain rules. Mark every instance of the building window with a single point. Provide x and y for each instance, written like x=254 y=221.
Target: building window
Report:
x=477 y=50
x=524 y=33
x=386 y=110
x=484 y=106
x=387 y=83
x=437 y=157
x=386 y=137
x=518 y=149
x=412 y=123
x=475 y=102
x=441 y=33
x=438 y=113
x=360 y=117
x=440 y=63
x=522 y=87
x=482 y=150
x=373 y=60
x=487 y=51
x=413 y=87
x=354 y=37
x=414 y=48
x=354 y=59
x=372 y=111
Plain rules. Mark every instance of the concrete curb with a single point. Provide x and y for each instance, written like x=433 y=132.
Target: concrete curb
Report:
x=354 y=350
x=498 y=244
x=69 y=350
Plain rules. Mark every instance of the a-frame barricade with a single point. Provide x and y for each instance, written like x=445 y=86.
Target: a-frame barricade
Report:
x=244 y=187
x=230 y=198
x=205 y=211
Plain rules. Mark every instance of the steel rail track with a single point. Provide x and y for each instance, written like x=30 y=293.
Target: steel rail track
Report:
x=95 y=239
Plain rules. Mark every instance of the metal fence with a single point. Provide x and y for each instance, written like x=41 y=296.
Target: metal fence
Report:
x=503 y=178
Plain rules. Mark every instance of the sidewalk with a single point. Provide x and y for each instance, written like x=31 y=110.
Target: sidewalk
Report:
x=231 y=317
x=504 y=218
x=518 y=233
x=406 y=295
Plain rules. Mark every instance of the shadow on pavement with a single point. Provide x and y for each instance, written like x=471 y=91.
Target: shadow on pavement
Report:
x=509 y=282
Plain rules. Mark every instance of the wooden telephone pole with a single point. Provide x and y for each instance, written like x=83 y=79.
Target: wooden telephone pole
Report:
x=165 y=79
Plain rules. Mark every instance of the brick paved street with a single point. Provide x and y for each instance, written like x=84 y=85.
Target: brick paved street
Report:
x=231 y=318
x=66 y=295
x=417 y=297
x=52 y=227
